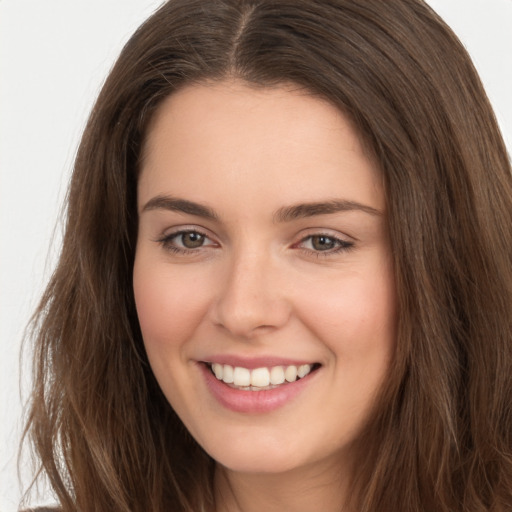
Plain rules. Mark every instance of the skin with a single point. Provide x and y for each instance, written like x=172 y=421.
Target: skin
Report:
x=260 y=286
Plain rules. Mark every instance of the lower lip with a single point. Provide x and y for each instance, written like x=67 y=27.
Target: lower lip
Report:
x=258 y=402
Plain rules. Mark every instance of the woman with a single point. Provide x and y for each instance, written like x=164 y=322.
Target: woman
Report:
x=285 y=281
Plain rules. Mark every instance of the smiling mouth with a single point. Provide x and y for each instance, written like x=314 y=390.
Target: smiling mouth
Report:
x=260 y=379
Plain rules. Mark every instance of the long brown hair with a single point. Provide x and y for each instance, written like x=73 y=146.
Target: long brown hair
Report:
x=440 y=436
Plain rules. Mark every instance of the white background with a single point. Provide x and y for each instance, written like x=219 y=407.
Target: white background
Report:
x=54 y=55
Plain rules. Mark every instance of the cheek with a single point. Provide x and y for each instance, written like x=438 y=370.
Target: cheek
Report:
x=355 y=317
x=169 y=305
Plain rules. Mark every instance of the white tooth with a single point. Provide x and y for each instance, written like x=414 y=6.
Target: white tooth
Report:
x=217 y=369
x=227 y=374
x=260 y=377
x=277 y=375
x=290 y=374
x=303 y=370
x=241 y=376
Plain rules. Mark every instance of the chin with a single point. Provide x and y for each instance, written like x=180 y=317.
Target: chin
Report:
x=250 y=456
x=257 y=464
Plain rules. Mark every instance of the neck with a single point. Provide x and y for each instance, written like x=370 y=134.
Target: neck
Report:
x=298 y=490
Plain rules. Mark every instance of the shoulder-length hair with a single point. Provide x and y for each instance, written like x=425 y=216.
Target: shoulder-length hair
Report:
x=440 y=435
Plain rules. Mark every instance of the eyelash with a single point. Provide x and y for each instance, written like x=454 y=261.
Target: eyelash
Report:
x=341 y=245
x=167 y=241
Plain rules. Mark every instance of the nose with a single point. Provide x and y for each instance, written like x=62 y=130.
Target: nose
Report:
x=252 y=298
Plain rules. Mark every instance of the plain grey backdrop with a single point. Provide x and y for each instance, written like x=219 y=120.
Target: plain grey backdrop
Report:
x=54 y=56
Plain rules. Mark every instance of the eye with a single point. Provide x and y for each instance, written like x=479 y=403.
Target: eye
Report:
x=185 y=241
x=190 y=239
x=322 y=243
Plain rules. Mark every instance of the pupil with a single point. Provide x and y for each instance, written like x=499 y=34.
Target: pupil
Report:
x=192 y=240
x=322 y=243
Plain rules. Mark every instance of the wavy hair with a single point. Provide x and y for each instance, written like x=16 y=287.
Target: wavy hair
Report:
x=440 y=435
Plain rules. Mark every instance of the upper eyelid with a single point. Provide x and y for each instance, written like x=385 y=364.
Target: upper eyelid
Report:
x=332 y=233
x=169 y=232
x=327 y=235
x=338 y=239
x=167 y=237
x=184 y=232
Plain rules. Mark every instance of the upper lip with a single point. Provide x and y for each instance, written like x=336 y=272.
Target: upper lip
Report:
x=255 y=362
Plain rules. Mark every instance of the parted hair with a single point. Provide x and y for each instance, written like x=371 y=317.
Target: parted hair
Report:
x=439 y=437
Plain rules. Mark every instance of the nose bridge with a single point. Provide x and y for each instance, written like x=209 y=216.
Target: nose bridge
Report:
x=251 y=298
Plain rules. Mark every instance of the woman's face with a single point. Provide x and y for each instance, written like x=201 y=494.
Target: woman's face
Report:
x=263 y=252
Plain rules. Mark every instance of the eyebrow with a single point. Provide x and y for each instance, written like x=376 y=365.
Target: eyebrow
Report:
x=304 y=210
x=180 y=205
x=282 y=215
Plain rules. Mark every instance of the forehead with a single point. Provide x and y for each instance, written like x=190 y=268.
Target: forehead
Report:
x=269 y=140
x=232 y=104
